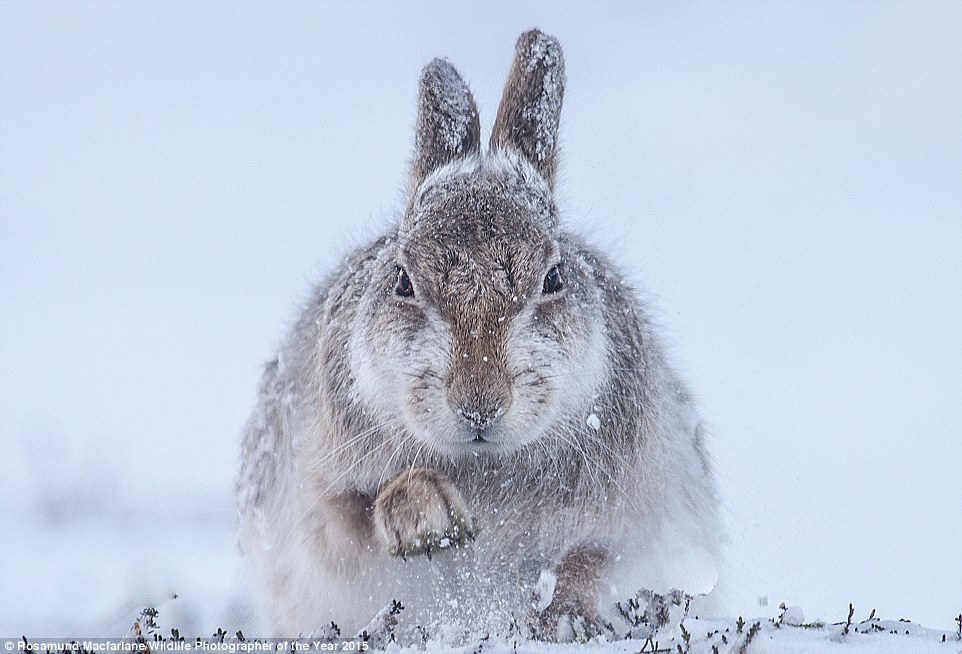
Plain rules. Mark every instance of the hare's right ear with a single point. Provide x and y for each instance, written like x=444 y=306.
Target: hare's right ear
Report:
x=448 y=126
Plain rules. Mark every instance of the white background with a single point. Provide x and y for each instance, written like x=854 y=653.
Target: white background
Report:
x=785 y=179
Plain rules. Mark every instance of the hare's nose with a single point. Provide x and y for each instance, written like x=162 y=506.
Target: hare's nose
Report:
x=481 y=417
x=480 y=405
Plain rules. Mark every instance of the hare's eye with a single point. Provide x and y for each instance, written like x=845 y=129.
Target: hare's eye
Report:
x=552 y=281
x=403 y=287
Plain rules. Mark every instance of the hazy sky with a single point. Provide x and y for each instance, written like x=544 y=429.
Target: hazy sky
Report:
x=785 y=180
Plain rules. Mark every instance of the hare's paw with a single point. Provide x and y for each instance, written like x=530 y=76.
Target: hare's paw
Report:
x=565 y=600
x=420 y=512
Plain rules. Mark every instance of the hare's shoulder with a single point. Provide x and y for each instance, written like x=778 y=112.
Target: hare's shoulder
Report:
x=286 y=384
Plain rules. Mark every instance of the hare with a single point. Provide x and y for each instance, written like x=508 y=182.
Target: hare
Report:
x=473 y=416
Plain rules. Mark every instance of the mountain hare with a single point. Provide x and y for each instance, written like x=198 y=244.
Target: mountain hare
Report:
x=473 y=416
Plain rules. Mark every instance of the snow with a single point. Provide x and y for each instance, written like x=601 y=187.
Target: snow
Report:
x=544 y=589
x=783 y=178
x=451 y=98
x=593 y=421
x=793 y=616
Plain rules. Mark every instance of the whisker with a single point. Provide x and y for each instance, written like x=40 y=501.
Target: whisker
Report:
x=397 y=450
x=353 y=440
x=626 y=464
x=415 y=459
x=426 y=373
x=584 y=455
x=348 y=469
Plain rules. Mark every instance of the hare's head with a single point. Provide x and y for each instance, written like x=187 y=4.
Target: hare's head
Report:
x=484 y=330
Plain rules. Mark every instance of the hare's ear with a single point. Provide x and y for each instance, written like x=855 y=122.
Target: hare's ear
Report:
x=448 y=126
x=531 y=105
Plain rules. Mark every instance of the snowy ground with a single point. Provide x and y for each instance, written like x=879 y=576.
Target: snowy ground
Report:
x=686 y=634
x=782 y=177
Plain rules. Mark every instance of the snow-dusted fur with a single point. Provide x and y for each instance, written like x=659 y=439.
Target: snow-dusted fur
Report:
x=475 y=405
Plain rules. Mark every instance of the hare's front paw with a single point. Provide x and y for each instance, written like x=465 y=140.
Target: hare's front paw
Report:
x=420 y=511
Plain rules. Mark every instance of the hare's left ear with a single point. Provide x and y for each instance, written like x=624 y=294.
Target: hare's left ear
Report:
x=448 y=126
x=531 y=105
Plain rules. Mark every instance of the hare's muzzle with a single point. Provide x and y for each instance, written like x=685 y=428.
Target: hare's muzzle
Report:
x=479 y=395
